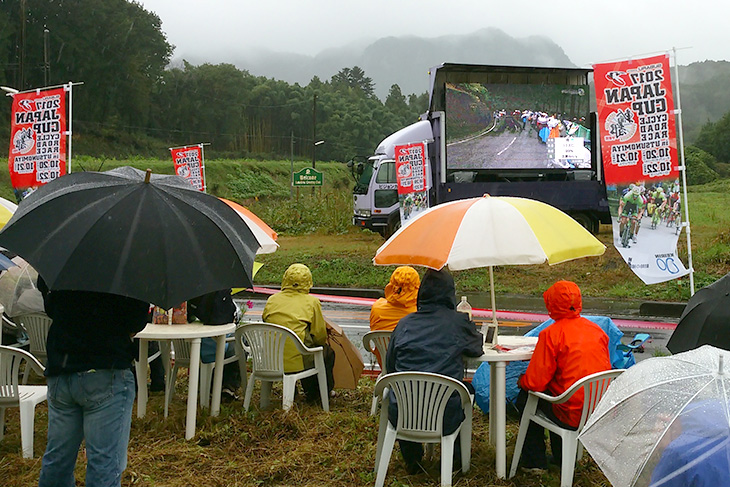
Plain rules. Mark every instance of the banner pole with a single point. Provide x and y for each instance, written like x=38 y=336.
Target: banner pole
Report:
x=202 y=168
x=683 y=170
x=70 y=131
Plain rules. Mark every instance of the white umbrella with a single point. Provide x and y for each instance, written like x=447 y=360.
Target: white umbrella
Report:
x=19 y=293
x=665 y=422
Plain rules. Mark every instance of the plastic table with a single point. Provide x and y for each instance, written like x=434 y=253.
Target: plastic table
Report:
x=497 y=402
x=193 y=332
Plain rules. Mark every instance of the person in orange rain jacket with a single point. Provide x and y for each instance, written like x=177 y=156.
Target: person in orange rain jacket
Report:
x=401 y=294
x=566 y=351
x=400 y=298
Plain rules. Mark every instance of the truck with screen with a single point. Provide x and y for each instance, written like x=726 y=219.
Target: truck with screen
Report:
x=501 y=130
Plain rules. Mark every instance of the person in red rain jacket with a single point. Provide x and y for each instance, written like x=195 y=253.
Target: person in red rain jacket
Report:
x=566 y=351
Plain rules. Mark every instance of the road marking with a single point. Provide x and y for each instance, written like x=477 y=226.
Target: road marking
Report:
x=508 y=146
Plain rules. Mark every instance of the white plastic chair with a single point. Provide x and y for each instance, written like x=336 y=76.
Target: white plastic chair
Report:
x=182 y=359
x=36 y=325
x=421 y=398
x=592 y=386
x=372 y=341
x=13 y=394
x=266 y=342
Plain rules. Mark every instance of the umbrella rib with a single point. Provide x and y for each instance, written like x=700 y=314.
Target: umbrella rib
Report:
x=669 y=424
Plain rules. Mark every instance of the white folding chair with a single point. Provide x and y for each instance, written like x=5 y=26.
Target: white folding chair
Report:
x=266 y=342
x=182 y=359
x=14 y=394
x=36 y=325
x=592 y=387
x=421 y=398
x=377 y=341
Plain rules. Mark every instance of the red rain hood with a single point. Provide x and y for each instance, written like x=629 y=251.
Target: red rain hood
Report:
x=563 y=300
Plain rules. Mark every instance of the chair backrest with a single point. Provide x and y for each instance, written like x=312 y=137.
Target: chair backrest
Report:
x=10 y=362
x=421 y=398
x=266 y=342
x=593 y=387
x=37 y=326
x=182 y=350
x=377 y=340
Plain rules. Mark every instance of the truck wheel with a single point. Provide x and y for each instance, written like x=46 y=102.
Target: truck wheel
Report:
x=586 y=221
x=393 y=225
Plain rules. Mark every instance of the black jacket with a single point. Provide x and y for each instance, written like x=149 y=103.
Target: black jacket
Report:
x=91 y=330
x=434 y=339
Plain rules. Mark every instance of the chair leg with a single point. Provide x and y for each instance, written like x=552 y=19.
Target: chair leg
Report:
x=322 y=381
x=428 y=454
x=27 y=421
x=265 y=394
x=447 y=459
x=374 y=406
x=567 y=467
x=382 y=428
x=529 y=411
x=206 y=379
x=382 y=465
x=2 y=423
x=288 y=386
x=170 y=387
x=465 y=441
x=249 y=393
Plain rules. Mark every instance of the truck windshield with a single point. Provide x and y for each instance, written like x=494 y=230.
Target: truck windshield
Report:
x=363 y=182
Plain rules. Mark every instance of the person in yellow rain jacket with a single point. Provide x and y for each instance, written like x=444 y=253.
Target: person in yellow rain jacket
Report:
x=297 y=310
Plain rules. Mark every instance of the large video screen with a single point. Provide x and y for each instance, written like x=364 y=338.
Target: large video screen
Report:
x=517 y=126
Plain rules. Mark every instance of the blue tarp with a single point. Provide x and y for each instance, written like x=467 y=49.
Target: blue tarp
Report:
x=514 y=370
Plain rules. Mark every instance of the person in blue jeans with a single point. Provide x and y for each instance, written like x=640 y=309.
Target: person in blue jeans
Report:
x=90 y=384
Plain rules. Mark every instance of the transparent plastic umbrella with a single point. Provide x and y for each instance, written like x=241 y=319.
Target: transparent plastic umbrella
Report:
x=18 y=291
x=665 y=422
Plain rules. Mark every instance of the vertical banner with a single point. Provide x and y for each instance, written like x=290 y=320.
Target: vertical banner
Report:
x=411 y=174
x=37 y=152
x=189 y=164
x=639 y=148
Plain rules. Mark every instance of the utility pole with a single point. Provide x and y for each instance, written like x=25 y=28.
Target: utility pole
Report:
x=22 y=45
x=291 y=168
x=314 y=130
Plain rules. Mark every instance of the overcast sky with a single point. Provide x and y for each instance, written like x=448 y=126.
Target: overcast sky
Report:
x=589 y=32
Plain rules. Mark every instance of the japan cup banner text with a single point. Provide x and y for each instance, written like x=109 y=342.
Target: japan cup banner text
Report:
x=411 y=170
x=639 y=148
x=37 y=152
x=189 y=164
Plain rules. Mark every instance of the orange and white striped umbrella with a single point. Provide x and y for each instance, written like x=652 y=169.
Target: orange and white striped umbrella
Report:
x=264 y=234
x=489 y=231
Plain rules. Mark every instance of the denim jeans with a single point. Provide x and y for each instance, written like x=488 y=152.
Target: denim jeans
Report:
x=95 y=405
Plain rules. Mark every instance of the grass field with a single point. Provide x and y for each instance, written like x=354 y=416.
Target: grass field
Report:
x=309 y=447
x=306 y=447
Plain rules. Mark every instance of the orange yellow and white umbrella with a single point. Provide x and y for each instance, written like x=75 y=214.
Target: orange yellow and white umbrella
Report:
x=7 y=209
x=264 y=234
x=489 y=231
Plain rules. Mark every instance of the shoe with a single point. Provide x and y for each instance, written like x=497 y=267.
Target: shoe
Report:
x=154 y=387
x=228 y=395
x=533 y=470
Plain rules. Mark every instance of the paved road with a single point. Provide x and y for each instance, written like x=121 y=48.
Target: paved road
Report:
x=354 y=320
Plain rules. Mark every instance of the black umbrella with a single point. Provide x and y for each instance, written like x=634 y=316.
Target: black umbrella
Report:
x=705 y=320
x=150 y=237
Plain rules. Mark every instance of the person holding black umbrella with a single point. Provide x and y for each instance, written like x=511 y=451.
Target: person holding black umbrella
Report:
x=90 y=383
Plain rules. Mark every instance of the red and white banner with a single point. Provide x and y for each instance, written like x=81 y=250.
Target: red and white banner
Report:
x=189 y=164
x=37 y=152
x=640 y=163
x=411 y=170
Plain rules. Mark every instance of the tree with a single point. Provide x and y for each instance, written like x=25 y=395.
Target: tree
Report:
x=354 y=78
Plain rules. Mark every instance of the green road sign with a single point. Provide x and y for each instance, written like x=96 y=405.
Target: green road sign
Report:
x=308 y=176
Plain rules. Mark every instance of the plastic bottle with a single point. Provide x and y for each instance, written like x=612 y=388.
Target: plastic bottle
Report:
x=464 y=306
